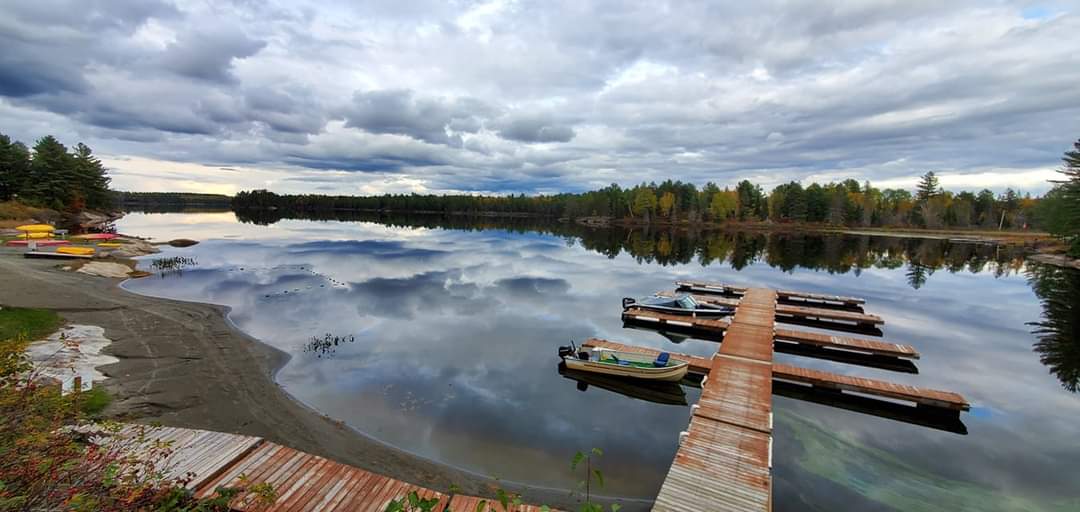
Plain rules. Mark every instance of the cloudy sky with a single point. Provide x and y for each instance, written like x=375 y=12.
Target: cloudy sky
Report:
x=506 y=96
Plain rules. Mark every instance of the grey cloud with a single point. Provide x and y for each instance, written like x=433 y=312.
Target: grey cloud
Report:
x=534 y=129
x=209 y=54
x=400 y=112
x=534 y=96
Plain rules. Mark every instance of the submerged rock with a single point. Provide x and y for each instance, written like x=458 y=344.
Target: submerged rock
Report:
x=183 y=242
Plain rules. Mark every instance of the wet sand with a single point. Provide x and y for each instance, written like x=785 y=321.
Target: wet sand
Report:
x=184 y=365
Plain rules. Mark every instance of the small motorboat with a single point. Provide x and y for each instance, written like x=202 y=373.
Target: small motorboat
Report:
x=624 y=364
x=678 y=304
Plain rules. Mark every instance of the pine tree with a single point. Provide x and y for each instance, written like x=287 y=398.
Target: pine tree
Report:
x=1071 y=198
x=14 y=167
x=91 y=178
x=928 y=187
x=52 y=176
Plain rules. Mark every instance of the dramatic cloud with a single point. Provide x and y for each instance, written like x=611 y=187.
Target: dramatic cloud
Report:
x=522 y=96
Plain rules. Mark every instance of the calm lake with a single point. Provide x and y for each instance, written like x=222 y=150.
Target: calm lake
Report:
x=440 y=337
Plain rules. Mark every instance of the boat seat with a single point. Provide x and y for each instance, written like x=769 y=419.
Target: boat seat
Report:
x=662 y=360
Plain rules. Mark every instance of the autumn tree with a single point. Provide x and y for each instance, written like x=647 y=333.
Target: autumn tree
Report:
x=723 y=205
x=667 y=204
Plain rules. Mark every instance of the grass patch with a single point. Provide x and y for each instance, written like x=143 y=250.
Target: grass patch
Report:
x=31 y=323
x=94 y=401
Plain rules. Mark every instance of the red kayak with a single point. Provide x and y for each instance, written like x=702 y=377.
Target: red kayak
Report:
x=39 y=243
x=95 y=236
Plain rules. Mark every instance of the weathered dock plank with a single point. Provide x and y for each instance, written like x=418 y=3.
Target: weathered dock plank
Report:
x=719 y=468
x=725 y=462
x=715 y=328
x=685 y=321
x=713 y=287
x=806 y=312
x=827 y=380
x=306 y=482
x=882 y=348
x=197 y=454
x=739 y=393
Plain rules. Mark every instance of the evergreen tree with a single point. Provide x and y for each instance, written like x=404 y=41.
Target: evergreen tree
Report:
x=14 y=167
x=52 y=175
x=1071 y=198
x=928 y=187
x=91 y=178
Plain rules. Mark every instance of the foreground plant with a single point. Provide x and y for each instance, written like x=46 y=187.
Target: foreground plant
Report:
x=51 y=458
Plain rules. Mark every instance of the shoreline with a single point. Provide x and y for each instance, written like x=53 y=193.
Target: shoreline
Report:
x=185 y=364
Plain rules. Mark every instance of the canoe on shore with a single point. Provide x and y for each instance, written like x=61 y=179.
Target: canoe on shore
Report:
x=95 y=236
x=79 y=251
x=39 y=243
x=625 y=364
x=36 y=228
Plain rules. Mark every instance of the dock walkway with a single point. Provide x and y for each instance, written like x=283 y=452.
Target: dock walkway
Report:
x=724 y=462
x=302 y=481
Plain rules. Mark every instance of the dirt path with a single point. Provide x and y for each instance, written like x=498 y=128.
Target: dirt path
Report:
x=184 y=365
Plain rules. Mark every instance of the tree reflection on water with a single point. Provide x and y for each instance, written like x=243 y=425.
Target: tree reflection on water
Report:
x=1059 y=330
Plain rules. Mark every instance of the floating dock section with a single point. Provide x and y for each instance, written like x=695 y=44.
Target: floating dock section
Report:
x=724 y=461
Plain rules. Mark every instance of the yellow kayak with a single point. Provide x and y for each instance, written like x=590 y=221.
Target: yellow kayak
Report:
x=80 y=251
x=36 y=228
x=110 y=245
x=39 y=235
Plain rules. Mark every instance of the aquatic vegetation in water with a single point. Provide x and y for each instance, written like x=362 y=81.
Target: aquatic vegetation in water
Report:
x=172 y=264
x=882 y=477
x=326 y=345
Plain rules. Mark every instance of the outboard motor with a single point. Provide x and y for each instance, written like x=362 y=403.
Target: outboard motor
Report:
x=628 y=301
x=567 y=350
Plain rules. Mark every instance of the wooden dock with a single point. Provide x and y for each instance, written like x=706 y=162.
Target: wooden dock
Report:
x=715 y=328
x=724 y=461
x=303 y=482
x=793 y=311
x=782 y=295
x=814 y=378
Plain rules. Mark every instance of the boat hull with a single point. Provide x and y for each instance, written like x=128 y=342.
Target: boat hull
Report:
x=672 y=373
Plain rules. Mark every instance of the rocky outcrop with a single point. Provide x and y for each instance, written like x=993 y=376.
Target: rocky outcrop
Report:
x=105 y=269
x=131 y=249
x=94 y=220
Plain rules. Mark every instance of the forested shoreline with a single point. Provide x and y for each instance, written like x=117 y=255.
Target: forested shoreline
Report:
x=848 y=203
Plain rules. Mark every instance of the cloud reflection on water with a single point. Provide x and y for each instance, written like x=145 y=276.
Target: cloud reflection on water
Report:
x=456 y=333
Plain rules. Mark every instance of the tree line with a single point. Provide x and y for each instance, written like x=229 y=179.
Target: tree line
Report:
x=51 y=176
x=847 y=203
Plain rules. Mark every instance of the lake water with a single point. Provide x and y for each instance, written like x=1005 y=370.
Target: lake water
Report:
x=447 y=337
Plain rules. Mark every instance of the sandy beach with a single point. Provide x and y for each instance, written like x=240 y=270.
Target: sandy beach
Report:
x=184 y=365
